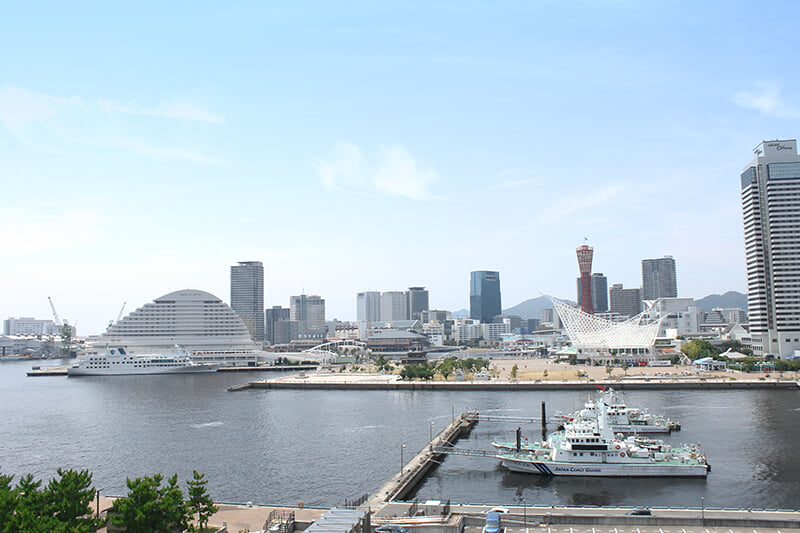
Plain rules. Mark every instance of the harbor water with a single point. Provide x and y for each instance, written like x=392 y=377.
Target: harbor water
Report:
x=283 y=447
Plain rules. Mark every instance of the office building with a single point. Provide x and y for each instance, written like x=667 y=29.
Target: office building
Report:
x=659 y=279
x=247 y=296
x=484 y=295
x=394 y=306
x=599 y=292
x=416 y=302
x=273 y=315
x=771 y=212
x=368 y=306
x=29 y=326
x=585 y=254
x=435 y=314
x=627 y=302
x=310 y=310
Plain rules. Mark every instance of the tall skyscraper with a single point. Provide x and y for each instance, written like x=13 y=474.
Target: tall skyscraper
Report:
x=310 y=310
x=393 y=306
x=484 y=295
x=416 y=302
x=599 y=292
x=659 y=279
x=368 y=306
x=771 y=211
x=247 y=296
x=585 y=254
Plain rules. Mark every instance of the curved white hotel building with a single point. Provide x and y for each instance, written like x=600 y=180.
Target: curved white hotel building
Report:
x=196 y=321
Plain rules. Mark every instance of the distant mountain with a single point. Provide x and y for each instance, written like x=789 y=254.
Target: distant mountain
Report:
x=531 y=308
x=461 y=313
x=729 y=299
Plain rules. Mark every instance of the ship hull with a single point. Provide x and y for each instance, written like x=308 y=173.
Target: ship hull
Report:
x=194 y=369
x=551 y=468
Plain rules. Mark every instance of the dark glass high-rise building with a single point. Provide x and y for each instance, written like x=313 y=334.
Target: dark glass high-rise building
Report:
x=274 y=315
x=247 y=296
x=484 y=295
x=599 y=292
x=416 y=302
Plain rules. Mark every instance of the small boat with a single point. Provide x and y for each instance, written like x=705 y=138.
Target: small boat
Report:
x=117 y=362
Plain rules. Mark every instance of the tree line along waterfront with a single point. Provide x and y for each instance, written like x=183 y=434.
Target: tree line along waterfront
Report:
x=64 y=504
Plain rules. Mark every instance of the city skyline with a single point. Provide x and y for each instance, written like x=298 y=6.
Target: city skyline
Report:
x=137 y=164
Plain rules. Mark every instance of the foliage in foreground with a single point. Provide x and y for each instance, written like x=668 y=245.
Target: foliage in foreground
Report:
x=63 y=505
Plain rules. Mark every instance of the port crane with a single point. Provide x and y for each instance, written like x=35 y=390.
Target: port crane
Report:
x=65 y=331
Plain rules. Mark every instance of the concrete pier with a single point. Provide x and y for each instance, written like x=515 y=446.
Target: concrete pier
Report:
x=413 y=472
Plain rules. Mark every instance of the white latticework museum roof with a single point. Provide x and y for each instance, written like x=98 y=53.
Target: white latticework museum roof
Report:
x=591 y=332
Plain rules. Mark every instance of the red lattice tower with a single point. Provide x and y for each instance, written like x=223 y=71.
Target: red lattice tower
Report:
x=585 y=254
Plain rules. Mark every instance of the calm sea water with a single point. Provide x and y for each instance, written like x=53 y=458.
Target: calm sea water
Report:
x=320 y=447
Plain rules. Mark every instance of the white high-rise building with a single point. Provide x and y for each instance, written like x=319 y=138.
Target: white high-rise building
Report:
x=368 y=306
x=393 y=306
x=29 y=326
x=771 y=212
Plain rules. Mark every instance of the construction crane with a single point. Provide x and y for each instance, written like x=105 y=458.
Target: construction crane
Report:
x=64 y=331
x=119 y=316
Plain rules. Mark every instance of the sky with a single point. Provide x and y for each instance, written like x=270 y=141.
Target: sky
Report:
x=145 y=147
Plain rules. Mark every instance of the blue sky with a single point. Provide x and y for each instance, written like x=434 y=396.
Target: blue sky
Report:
x=146 y=147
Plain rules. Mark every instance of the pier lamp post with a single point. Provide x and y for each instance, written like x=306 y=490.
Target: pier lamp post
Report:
x=97 y=493
x=401 y=458
x=525 y=513
x=703 y=510
x=430 y=432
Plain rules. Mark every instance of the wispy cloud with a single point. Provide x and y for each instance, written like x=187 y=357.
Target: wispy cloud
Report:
x=392 y=170
x=64 y=124
x=177 y=110
x=517 y=177
x=766 y=97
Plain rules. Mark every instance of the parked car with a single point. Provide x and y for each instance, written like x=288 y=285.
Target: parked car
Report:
x=493 y=523
x=639 y=512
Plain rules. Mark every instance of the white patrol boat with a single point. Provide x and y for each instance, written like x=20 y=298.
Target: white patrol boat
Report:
x=117 y=362
x=621 y=418
x=589 y=448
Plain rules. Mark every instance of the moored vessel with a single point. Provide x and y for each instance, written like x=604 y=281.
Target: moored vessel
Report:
x=117 y=362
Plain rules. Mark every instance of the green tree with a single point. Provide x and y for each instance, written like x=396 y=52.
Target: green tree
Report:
x=418 y=371
x=150 y=508
x=8 y=502
x=200 y=502
x=514 y=372
x=699 y=348
x=69 y=500
x=30 y=510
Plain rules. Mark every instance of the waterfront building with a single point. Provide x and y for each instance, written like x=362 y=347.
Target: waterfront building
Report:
x=435 y=332
x=623 y=301
x=484 y=295
x=659 y=279
x=272 y=316
x=247 y=296
x=393 y=306
x=29 y=326
x=492 y=331
x=585 y=254
x=190 y=320
x=395 y=340
x=602 y=341
x=309 y=309
x=416 y=302
x=771 y=213
x=599 y=285
x=679 y=317
x=368 y=307
x=467 y=330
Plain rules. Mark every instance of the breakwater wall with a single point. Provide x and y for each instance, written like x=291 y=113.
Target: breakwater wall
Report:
x=340 y=384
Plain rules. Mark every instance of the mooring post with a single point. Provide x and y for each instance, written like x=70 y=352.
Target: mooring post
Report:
x=519 y=439
x=544 y=416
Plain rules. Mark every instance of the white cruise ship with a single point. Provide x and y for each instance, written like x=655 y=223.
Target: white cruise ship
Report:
x=117 y=362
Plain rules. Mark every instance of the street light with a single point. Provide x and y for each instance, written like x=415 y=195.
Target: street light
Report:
x=401 y=458
x=525 y=514
x=97 y=493
x=430 y=432
x=703 y=510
